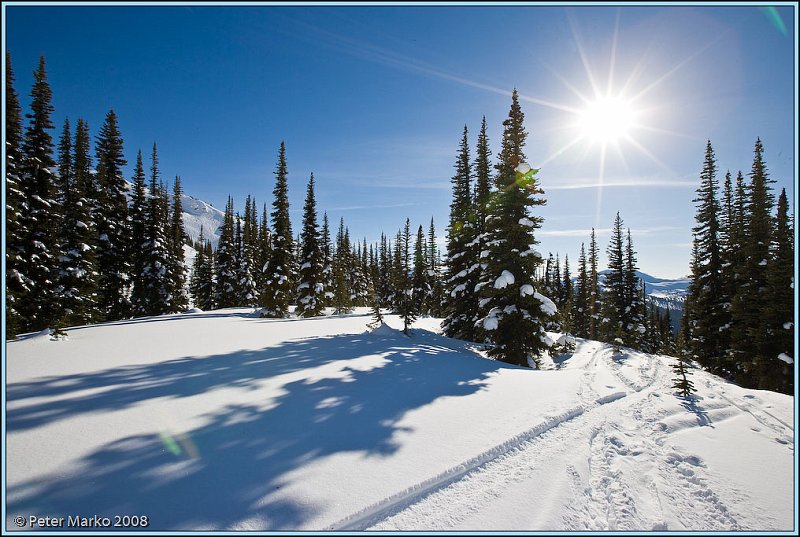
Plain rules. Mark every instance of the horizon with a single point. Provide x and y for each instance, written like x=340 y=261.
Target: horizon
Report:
x=373 y=100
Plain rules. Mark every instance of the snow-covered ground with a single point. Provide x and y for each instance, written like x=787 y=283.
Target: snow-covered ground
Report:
x=225 y=421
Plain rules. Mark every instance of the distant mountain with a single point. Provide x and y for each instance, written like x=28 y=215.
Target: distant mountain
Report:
x=666 y=294
x=198 y=213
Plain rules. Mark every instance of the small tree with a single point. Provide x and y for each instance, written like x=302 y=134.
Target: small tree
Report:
x=681 y=381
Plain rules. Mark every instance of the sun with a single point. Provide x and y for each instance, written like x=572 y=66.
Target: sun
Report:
x=606 y=120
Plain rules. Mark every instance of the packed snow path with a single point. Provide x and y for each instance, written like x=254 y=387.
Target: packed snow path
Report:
x=223 y=421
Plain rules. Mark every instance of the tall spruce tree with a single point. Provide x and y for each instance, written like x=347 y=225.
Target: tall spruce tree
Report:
x=326 y=253
x=225 y=262
x=749 y=331
x=514 y=322
x=420 y=283
x=17 y=284
x=152 y=291
x=77 y=285
x=310 y=291
x=635 y=304
x=461 y=278
x=405 y=305
x=580 y=310
x=593 y=295
x=342 y=298
x=708 y=312
x=615 y=296
x=179 y=300
x=262 y=257
x=139 y=239
x=112 y=223
x=279 y=271
x=39 y=219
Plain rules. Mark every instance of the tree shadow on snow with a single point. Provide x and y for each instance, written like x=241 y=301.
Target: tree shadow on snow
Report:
x=233 y=468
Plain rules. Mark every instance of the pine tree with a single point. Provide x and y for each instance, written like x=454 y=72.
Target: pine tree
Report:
x=138 y=214
x=310 y=291
x=566 y=309
x=614 y=297
x=462 y=273
x=282 y=258
x=384 y=285
x=777 y=373
x=17 y=283
x=261 y=258
x=342 y=301
x=39 y=263
x=435 y=303
x=580 y=310
x=405 y=306
x=112 y=224
x=77 y=287
x=749 y=335
x=201 y=285
x=225 y=262
x=635 y=303
x=420 y=282
x=514 y=323
x=327 y=262
x=593 y=294
x=708 y=312
x=681 y=382
x=152 y=293
x=179 y=300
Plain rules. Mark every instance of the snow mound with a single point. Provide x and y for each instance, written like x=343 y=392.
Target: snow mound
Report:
x=505 y=279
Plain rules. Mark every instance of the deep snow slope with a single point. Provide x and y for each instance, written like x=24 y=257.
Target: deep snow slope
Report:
x=224 y=421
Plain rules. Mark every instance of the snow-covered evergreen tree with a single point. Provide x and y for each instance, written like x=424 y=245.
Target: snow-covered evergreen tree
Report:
x=279 y=271
x=310 y=291
x=38 y=264
x=77 y=283
x=462 y=260
x=634 y=317
x=342 y=295
x=139 y=239
x=152 y=294
x=420 y=280
x=262 y=256
x=404 y=294
x=17 y=284
x=225 y=263
x=436 y=302
x=514 y=322
x=113 y=252
x=177 y=237
x=326 y=251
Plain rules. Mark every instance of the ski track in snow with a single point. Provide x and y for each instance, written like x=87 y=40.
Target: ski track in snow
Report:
x=606 y=499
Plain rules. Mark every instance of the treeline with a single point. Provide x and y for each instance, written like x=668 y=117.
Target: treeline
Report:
x=84 y=247
x=739 y=316
x=76 y=251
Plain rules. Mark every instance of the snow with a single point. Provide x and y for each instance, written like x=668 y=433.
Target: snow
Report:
x=526 y=290
x=548 y=306
x=526 y=222
x=224 y=421
x=505 y=279
x=786 y=358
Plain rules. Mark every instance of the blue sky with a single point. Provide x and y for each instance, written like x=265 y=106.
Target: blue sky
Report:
x=373 y=100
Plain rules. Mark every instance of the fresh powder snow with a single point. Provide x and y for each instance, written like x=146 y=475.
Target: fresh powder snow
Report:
x=225 y=421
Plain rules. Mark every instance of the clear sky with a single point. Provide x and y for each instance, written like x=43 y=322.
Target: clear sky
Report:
x=373 y=100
